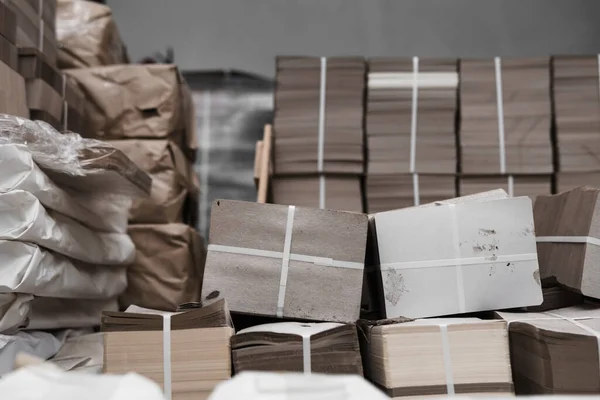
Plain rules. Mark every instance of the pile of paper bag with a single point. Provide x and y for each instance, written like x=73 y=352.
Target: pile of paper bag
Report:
x=411 y=115
x=64 y=203
x=318 y=131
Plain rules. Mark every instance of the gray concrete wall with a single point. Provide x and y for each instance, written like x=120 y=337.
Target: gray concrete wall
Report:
x=247 y=34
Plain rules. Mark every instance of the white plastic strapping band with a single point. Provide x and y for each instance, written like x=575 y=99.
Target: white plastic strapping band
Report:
x=321 y=142
x=500 y=105
x=568 y=239
x=416 y=192
x=285 y=260
x=452 y=262
x=167 y=355
x=65 y=105
x=460 y=288
x=204 y=160
x=306 y=357
x=413 y=118
x=447 y=360
x=511 y=186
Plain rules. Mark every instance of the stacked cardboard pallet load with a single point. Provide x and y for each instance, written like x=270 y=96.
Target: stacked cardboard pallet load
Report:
x=505 y=126
x=64 y=204
x=576 y=107
x=410 y=126
x=13 y=97
x=318 y=130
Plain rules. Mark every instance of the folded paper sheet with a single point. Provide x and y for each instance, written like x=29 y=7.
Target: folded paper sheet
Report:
x=297 y=347
x=25 y=219
x=187 y=353
x=568 y=239
x=281 y=261
x=556 y=352
x=438 y=356
x=18 y=171
x=457 y=258
x=168 y=267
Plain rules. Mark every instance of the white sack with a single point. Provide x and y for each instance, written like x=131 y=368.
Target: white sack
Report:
x=29 y=269
x=83 y=353
x=23 y=218
x=100 y=212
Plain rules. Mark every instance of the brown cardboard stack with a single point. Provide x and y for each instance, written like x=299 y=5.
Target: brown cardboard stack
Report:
x=13 y=97
x=555 y=352
x=568 y=235
x=88 y=35
x=318 y=129
x=522 y=185
x=577 y=110
x=286 y=262
x=439 y=356
x=297 y=347
x=144 y=110
x=411 y=138
x=195 y=344
x=505 y=122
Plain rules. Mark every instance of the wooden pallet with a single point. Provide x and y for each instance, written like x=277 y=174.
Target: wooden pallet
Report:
x=263 y=165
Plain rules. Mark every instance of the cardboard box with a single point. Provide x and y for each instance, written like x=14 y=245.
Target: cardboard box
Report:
x=195 y=344
x=458 y=258
x=172 y=180
x=168 y=267
x=136 y=102
x=247 y=261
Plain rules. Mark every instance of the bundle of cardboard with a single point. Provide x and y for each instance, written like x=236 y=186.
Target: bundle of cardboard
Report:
x=88 y=35
x=147 y=116
x=64 y=203
x=576 y=102
x=505 y=121
x=318 y=129
x=438 y=356
x=410 y=125
x=13 y=98
x=555 y=352
x=187 y=353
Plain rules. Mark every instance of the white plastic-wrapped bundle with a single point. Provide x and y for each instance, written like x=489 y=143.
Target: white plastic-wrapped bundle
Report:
x=101 y=212
x=23 y=218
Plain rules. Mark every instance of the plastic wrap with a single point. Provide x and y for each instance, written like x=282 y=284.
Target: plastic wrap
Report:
x=87 y=35
x=75 y=162
x=37 y=271
x=25 y=219
x=18 y=171
x=48 y=382
x=83 y=353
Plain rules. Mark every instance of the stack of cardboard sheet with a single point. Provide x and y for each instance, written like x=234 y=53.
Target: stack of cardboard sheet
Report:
x=521 y=185
x=88 y=35
x=411 y=137
x=567 y=232
x=147 y=115
x=318 y=129
x=577 y=110
x=555 y=352
x=64 y=202
x=13 y=98
x=297 y=347
x=505 y=121
x=438 y=356
x=469 y=252
x=286 y=262
x=195 y=344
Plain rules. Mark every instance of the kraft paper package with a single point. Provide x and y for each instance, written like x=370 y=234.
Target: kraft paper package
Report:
x=286 y=261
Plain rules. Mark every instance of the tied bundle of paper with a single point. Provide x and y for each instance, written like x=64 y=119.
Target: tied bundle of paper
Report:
x=468 y=251
x=435 y=357
x=286 y=262
x=568 y=239
x=555 y=352
x=138 y=102
x=35 y=26
x=187 y=353
x=45 y=86
x=411 y=135
x=64 y=202
x=297 y=347
x=88 y=35
x=505 y=117
x=519 y=185
x=318 y=128
x=576 y=102
x=13 y=95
